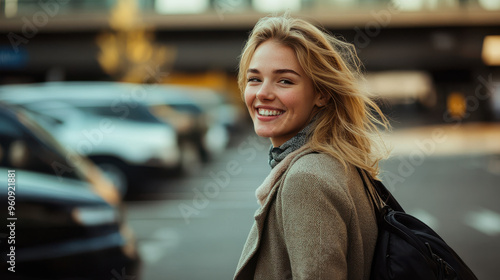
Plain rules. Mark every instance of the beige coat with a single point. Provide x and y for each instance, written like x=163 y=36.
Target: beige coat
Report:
x=316 y=223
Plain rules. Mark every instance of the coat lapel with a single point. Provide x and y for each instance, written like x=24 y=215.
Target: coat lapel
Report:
x=254 y=237
x=266 y=193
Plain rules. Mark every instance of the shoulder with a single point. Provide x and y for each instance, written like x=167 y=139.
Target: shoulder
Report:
x=314 y=177
x=320 y=166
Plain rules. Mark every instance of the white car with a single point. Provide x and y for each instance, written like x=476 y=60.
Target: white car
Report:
x=98 y=121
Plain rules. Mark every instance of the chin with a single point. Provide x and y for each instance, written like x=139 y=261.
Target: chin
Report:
x=263 y=132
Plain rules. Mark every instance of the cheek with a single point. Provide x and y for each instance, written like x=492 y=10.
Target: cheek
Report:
x=249 y=97
x=292 y=102
x=299 y=101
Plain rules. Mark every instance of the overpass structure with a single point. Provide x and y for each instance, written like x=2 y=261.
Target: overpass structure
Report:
x=455 y=44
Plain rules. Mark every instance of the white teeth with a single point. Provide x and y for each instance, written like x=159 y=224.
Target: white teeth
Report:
x=265 y=112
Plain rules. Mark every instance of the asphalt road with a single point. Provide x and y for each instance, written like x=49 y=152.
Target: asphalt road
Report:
x=195 y=227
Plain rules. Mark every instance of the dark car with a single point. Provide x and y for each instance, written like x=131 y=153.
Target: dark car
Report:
x=65 y=220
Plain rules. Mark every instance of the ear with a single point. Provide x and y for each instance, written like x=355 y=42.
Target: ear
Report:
x=320 y=100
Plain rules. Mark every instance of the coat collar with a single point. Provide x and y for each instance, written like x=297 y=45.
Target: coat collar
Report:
x=276 y=173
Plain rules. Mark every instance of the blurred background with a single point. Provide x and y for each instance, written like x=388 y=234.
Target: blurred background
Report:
x=135 y=158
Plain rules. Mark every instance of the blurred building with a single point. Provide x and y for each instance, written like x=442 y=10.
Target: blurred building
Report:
x=448 y=47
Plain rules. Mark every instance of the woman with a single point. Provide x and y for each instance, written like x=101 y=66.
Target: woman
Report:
x=300 y=86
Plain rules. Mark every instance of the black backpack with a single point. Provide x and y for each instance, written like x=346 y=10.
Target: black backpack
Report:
x=406 y=248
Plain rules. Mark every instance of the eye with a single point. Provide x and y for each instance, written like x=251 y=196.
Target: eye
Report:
x=253 y=79
x=286 y=82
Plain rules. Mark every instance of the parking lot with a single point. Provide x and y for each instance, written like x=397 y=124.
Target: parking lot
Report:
x=188 y=230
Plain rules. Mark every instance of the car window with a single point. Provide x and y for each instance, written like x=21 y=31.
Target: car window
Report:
x=188 y=108
x=26 y=146
x=8 y=128
x=130 y=113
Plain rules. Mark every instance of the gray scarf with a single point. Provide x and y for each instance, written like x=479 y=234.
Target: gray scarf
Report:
x=277 y=154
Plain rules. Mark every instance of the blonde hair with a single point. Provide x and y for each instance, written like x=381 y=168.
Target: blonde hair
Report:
x=347 y=126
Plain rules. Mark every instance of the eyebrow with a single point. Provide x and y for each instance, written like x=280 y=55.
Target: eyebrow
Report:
x=277 y=71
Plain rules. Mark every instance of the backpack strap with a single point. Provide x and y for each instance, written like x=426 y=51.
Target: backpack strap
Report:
x=382 y=197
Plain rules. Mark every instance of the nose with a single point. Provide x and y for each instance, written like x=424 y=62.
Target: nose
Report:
x=265 y=92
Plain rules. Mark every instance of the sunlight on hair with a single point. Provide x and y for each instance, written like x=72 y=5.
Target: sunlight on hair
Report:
x=347 y=128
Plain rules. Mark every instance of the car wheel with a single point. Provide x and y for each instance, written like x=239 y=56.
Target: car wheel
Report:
x=116 y=176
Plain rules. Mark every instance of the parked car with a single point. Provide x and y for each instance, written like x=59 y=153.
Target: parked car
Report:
x=69 y=219
x=213 y=119
x=106 y=122
x=172 y=104
x=218 y=107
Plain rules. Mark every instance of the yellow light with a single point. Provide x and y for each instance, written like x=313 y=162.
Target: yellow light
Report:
x=491 y=50
x=129 y=52
x=456 y=105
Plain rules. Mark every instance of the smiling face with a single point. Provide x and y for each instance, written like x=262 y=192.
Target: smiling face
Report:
x=279 y=96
